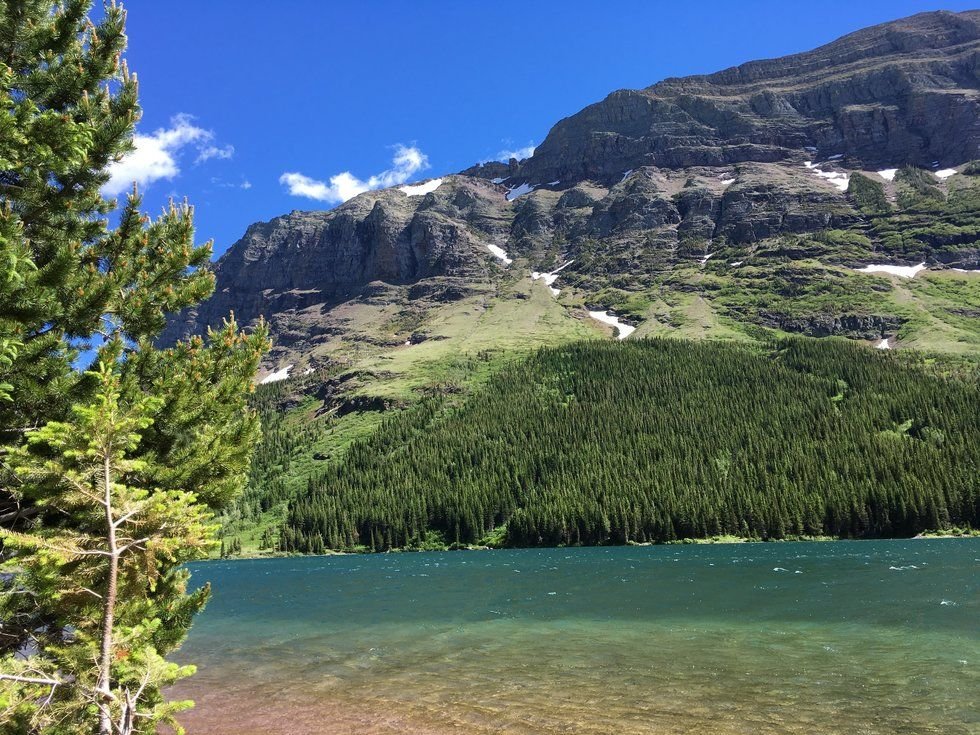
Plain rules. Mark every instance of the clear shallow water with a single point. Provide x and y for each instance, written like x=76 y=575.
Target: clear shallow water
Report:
x=843 y=637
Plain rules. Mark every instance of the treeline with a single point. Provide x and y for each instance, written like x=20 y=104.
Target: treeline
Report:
x=649 y=441
x=284 y=439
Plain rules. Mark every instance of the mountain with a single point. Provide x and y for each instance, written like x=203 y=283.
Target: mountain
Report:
x=740 y=167
x=899 y=93
x=830 y=193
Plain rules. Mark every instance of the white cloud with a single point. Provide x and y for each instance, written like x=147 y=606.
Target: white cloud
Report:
x=243 y=183
x=156 y=156
x=406 y=162
x=519 y=153
x=212 y=151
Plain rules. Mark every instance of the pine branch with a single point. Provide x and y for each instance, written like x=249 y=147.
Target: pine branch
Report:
x=45 y=681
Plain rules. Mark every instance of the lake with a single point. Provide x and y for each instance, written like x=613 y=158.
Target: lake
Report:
x=839 y=637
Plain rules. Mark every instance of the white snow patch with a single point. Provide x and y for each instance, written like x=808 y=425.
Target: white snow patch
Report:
x=888 y=174
x=519 y=191
x=838 y=179
x=548 y=282
x=835 y=157
x=736 y=262
x=550 y=278
x=883 y=345
x=623 y=330
x=704 y=260
x=553 y=183
x=308 y=371
x=902 y=271
x=499 y=180
x=417 y=190
x=945 y=173
x=626 y=174
x=276 y=376
x=965 y=270
x=562 y=267
x=727 y=182
x=500 y=253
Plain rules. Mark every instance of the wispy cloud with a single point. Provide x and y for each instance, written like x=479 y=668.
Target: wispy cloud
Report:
x=407 y=161
x=519 y=153
x=212 y=151
x=243 y=183
x=157 y=156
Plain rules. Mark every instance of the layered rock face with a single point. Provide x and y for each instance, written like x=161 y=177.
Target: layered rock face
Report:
x=906 y=92
x=324 y=258
x=645 y=185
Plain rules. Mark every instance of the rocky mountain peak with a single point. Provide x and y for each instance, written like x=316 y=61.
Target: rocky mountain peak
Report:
x=906 y=92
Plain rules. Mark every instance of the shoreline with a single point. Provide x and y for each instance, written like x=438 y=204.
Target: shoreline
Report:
x=713 y=540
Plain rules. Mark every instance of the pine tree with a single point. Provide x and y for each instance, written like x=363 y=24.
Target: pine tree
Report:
x=98 y=575
x=67 y=109
x=156 y=437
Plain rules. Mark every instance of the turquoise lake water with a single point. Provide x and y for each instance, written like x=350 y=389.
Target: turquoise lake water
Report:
x=841 y=637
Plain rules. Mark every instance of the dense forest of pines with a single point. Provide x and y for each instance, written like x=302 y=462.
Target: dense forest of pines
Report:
x=277 y=469
x=271 y=461
x=648 y=441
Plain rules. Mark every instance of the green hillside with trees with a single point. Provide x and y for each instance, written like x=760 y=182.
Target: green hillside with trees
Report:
x=658 y=440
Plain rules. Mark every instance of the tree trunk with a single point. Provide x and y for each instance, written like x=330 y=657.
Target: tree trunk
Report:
x=104 y=689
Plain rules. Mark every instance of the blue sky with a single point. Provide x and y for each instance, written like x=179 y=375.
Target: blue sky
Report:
x=251 y=109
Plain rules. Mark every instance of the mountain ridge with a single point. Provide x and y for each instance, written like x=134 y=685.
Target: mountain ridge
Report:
x=957 y=35
x=640 y=191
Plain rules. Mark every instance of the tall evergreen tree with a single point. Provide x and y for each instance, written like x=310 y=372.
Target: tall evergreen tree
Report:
x=97 y=574
x=108 y=477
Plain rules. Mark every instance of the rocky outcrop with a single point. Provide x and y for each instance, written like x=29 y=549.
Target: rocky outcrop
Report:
x=636 y=204
x=304 y=259
x=859 y=326
x=755 y=212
